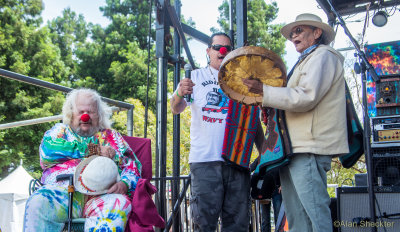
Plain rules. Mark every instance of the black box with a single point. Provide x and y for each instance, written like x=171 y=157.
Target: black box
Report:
x=354 y=211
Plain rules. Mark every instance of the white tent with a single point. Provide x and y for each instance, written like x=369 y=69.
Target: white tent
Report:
x=14 y=191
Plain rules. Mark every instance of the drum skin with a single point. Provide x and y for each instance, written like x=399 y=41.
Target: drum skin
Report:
x=254 y=63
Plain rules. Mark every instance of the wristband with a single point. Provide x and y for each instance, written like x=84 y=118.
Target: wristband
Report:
x=177 y=94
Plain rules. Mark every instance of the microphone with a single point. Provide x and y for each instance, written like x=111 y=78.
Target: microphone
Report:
x=188 y=69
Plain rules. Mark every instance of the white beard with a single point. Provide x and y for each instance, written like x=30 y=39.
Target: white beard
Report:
x=89 y=133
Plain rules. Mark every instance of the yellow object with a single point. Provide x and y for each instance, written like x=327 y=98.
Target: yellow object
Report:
x=250 y=63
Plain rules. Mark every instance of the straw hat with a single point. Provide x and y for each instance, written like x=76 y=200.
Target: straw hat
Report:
x=310 y=20
x=95 y=175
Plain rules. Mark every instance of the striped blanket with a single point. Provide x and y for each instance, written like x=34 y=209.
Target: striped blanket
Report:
x=243 y=129
x=240 y=132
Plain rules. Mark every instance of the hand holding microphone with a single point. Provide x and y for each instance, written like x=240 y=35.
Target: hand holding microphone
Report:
x=187 y=84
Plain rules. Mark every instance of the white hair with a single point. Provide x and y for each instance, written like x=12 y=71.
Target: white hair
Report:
x=103 y=110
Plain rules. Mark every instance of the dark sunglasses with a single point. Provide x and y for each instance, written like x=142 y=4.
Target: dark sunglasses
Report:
x=296 y=31
x=217 y=47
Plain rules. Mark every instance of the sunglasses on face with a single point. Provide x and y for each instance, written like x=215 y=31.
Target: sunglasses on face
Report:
x=217 y=47
x=296 y=31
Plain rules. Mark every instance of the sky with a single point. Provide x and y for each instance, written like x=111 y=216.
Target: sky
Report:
x=205 y=15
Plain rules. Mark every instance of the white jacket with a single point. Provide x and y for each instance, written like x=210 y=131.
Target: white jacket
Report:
x=314 y=103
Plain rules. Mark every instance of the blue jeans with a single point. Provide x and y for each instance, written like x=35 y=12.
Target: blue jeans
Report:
x=266 y=211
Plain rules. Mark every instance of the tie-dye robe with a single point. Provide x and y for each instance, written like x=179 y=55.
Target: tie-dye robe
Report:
x=60 y=152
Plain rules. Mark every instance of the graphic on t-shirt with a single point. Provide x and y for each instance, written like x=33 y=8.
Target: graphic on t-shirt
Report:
x=216 y=102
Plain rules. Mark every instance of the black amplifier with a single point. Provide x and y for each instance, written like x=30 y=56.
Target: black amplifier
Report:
x=353 y=209
x=385 y=131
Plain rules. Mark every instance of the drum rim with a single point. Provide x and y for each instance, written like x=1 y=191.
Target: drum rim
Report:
x=245 y=51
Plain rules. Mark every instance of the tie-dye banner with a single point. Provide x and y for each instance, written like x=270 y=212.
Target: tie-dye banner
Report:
x=385 y=58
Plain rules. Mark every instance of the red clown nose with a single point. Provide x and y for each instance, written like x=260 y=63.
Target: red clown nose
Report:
x=223 y=50
x=85 y=117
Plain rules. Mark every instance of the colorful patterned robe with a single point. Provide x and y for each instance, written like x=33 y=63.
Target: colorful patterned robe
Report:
x=61 y=151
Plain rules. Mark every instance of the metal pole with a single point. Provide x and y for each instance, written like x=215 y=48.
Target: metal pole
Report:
x=231 y=22
x=176 y=124
x=49 y=85
x=148 y=74
x=30 y=122
x=161 y=133
x=162 y=32
x=367 y=150
x=241 y=22
x=40 y=120
x=129 y=123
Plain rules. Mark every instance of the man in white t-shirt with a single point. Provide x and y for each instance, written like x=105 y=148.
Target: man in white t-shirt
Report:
x=218 y=188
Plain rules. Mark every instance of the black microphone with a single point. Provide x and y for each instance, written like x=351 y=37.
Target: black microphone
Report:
x=188 y=70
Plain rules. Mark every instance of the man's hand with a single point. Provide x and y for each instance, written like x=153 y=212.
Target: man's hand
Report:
x=119 y=187
x=107 y=151
x=254 y=85
x=177 y=103
x=186 y=87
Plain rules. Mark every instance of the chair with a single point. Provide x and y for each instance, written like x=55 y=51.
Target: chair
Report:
x=140 y=146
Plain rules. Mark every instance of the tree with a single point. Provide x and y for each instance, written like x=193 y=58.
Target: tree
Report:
x=67 y=32
x=115 y=60
x=130 y=19
x=261 y=31
x=26 y=48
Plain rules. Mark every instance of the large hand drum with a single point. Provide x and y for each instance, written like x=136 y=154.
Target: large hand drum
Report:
x=254 y=63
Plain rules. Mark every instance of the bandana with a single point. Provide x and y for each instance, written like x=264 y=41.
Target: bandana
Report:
x=302 y=56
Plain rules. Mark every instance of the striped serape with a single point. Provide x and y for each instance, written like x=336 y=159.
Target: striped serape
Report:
x=240 y=132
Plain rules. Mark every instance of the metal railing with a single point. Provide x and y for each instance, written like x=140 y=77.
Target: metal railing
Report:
x=181 y=208
x=52 y=86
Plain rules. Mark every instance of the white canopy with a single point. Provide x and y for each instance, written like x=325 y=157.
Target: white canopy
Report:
x=14 y=191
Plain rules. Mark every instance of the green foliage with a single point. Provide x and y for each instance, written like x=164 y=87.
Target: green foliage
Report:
x=113 y=61
x=67 y=33
x=130 y=77
x=116 y=57
x=344 y=176
x=130 y=19
x=26 y=49
x=261 y=31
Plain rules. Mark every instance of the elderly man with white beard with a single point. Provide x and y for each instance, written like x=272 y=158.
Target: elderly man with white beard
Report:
x=86 y=122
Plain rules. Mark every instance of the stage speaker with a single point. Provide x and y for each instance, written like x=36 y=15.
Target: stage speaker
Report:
x=386 y=166
x=353 y=210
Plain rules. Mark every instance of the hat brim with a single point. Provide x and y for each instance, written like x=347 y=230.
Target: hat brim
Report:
x=77 y=182
x=329 y=33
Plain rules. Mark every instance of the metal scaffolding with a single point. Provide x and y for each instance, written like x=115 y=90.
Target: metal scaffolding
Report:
x=167 y=17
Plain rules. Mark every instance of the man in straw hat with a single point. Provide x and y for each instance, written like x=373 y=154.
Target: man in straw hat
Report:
x=315 y=112
x=113 y=173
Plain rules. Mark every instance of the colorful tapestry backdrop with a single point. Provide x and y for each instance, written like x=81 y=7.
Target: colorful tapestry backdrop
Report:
x=385 y=58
